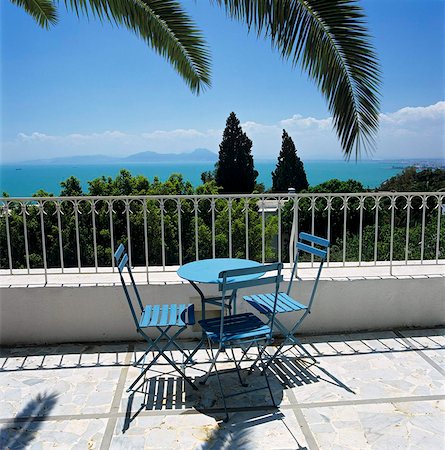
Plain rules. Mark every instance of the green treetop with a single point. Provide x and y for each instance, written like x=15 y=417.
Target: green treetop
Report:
x=235 y=171
x=289 y=172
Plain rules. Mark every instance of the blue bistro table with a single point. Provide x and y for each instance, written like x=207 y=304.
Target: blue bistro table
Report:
x=207 y=271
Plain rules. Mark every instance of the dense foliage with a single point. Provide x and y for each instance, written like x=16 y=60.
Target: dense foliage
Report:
x=289 y=172
x=169 y=230
x=413 y=180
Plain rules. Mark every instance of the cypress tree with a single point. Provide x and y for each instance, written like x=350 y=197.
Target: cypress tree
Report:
x=235 y=171
x=289 y=172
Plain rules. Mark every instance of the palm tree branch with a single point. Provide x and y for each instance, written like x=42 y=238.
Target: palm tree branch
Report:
x=164 y=26
x=329 y=40
x=43 y=11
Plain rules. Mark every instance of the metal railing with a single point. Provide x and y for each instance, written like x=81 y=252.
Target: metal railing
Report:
x=65 y=233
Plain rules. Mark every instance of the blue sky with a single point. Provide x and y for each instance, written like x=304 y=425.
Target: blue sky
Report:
x=86 y=88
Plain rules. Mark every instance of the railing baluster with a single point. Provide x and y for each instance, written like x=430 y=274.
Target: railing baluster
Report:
x=229 y=208
x=110 y=211
x=42 y=228
x=212 y=210
x=313 y=208
x=263 y=232
x=59 y=230
x=196 y=209
x=8 y=235
x=345 y=217
x=328 y=235
x=161 y=205
x=25 y=234
x=391 y=240
x=360 y=236
x=76 y=221
x=93 y=219
x=279 y=230
x=376 y=229
x=246 y=220
x=127 y=214
x=422 y=242
x=408 y=218
x=179 y=231
x=144 y=206
x=439 y=214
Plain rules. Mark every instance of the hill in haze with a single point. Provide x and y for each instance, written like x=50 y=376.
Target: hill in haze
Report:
x=196 y=156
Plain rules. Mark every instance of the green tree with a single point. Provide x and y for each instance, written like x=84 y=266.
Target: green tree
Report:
x=413 y=180
x=289 y=172
x=235 y=171
x=328 y=38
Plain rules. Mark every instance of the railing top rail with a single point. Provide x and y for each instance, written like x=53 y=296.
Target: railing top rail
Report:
x=225 y=196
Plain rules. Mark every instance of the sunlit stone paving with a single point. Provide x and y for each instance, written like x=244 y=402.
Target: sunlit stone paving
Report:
x=380 y=390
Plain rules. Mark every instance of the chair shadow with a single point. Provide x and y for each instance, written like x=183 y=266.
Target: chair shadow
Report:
x=248 y=406
x=19 y=432
x=293 y=371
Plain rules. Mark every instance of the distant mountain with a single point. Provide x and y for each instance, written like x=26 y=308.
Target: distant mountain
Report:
x=68 y=160
x=196 y=156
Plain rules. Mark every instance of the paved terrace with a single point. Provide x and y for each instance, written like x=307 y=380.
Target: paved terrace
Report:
x=368 y=391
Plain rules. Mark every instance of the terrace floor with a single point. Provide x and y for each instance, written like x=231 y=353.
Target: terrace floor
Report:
x=367 y=391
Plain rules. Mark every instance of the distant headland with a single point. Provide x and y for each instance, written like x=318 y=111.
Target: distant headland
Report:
x=200 y=155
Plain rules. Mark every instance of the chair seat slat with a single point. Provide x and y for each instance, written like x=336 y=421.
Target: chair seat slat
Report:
x=163 y=320
x=155 y=316
x=237 y=327
x=285 y=303
x=145 y=318
x=173 y=318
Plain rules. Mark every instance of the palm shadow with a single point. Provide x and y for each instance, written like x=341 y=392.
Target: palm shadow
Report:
x=19 y=432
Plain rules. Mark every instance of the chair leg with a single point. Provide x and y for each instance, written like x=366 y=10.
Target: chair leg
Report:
x=213 y=359
x=264 y=372
x=161 y=353
x=238 y=368
x=226 y=419
x=289 y=336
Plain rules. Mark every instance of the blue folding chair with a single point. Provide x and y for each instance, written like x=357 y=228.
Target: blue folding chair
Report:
x=161 y=317
x=267 y=304
x=246 y=329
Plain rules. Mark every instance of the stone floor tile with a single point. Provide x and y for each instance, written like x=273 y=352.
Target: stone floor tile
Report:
x=66 y=434
x=73 y=391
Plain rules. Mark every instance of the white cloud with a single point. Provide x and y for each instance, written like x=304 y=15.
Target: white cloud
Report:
x=412 y=115
x=409 y=132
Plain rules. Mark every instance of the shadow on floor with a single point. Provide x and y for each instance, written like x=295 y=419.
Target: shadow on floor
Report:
x=65 y=356
x=20 y=431
x=295 y=371
x=241 y=432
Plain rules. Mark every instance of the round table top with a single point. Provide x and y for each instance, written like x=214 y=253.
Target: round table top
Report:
x=208 y=270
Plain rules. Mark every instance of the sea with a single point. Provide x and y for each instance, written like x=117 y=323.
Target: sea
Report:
x=24 y=180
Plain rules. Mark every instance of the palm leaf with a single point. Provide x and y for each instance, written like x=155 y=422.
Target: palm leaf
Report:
x=164 y=26
x=328 y=38
x=43 y=11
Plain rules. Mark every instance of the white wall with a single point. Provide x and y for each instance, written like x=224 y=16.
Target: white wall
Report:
x=78 y=314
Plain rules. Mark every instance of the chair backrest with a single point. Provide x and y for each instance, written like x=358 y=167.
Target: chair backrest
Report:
x=232 y=280
x=316 y=246
x=122 y=262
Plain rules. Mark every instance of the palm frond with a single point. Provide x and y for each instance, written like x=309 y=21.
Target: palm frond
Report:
x=43 y=11
x=329 y=39
x=164 y=26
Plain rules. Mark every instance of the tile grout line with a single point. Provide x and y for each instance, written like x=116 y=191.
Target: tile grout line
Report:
x=174 y=412
x=112 y=420
x=421 y=353
x=302 y=422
